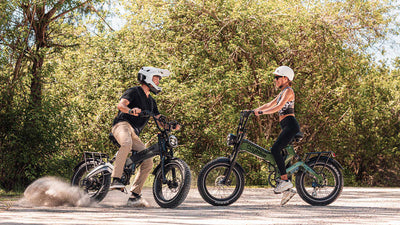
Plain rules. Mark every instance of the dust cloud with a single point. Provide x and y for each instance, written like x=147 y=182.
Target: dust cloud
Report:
x=53 y=191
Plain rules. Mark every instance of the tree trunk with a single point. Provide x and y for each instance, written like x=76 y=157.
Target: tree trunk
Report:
x=37 y=82
x=40 y=28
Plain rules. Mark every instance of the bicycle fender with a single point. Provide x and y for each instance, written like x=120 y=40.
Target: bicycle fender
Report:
x=228 y=161
x=79 y=164
x=101 y=168
x=324 y=158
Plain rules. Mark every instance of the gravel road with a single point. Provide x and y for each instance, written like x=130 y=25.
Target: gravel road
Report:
x=256 y=206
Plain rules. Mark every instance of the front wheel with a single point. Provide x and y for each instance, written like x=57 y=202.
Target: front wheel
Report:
x=97 y=185
x=320 y=193
x=174 y=190
x=217 y=189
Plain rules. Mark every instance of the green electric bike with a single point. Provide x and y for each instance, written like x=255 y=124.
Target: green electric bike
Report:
x=318 y=177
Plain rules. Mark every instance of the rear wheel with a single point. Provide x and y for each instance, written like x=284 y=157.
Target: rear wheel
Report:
x=217 y=189
x=320 y=193
x=96 y=186
x=174 y=190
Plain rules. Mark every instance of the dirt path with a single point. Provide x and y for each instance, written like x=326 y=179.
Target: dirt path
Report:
x=256 y=206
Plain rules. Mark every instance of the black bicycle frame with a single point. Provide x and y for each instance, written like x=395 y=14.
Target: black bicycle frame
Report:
x=162 y=144
x=136 y=158
x=241 y=132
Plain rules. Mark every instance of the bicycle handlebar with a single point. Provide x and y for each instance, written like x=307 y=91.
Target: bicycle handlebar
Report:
x=249 y=112
x=162 y=119
x=146 y=113
x=246 y=113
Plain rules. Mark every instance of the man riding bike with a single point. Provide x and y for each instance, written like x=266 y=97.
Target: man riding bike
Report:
x=128 y=125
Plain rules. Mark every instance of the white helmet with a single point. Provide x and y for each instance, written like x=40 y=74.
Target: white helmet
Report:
x=146 y=75
x=284 y=71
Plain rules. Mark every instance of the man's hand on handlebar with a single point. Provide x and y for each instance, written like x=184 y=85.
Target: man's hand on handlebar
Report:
x=134 y=111
x=175 y=126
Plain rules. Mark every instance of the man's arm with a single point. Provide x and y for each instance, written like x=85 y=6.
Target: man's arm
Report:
x=123 y=107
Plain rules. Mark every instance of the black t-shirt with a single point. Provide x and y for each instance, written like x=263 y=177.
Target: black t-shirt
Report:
x=137 y=99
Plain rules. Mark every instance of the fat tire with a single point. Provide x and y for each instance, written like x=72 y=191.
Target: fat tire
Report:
x=202 y=186
x=338 y=187
x=182 y=189
x=81 y=171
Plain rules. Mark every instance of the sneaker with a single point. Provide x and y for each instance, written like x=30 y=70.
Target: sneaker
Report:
x=116 y=184
x=283 y=185
x=287 y=195
x=136 y=200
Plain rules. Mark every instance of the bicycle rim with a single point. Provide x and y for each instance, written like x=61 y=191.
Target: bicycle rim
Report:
x=325 y=192
x=218 y=187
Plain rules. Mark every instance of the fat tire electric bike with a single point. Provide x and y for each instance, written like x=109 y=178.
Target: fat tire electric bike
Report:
x=319 y=179
x=172 y=175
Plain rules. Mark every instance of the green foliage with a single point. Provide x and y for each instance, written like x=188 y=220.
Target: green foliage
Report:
x=33 y=124
x=221 y=54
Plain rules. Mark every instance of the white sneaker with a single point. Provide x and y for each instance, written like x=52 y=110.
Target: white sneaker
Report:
x=283 y=185
x=287 y=195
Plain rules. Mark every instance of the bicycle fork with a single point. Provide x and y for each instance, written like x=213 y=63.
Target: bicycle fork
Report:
x=231 y=165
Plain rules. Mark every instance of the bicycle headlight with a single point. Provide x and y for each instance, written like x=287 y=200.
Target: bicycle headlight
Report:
x=230 y=139
x=173 y=141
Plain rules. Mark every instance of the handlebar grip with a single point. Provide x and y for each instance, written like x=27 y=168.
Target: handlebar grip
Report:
x=145 y=113
x=247 y=113
x=260 y=112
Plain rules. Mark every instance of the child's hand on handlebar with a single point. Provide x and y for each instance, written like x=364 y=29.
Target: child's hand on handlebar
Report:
x=258 y=112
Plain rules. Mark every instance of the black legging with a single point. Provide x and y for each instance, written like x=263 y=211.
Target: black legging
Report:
x=290 y=127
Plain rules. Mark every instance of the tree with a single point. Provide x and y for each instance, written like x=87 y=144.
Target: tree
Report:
x=223 y=51
x=31 y=31
x=221 y=54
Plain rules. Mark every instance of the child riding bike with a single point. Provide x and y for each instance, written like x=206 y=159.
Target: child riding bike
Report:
x=284 y=105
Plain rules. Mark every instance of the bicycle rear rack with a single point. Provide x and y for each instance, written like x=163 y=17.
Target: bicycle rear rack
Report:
x=96 y=157
x=319 y=155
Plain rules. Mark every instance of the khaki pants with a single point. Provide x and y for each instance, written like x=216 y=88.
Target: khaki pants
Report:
x=127 y=138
